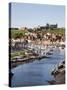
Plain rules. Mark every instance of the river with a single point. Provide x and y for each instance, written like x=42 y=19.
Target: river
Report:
x=37 y=72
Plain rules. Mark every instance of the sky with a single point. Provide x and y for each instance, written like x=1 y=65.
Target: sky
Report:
x=32 y=15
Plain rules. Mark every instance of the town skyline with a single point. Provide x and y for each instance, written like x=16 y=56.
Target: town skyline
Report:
x=37 y=26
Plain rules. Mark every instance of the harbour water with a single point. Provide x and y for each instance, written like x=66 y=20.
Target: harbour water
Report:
x=37 y=72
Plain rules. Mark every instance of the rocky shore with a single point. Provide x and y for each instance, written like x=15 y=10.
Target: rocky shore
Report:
x=26 y=60
x=59 y=74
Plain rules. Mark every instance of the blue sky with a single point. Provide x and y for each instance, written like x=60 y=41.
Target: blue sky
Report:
x=32 y=15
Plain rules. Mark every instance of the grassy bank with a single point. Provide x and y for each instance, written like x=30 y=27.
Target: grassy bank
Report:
x=57 y=31
x=18 y=33
x=21 y=33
